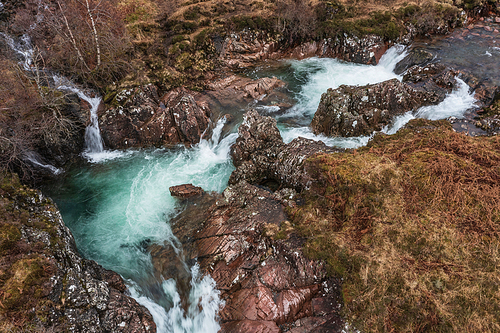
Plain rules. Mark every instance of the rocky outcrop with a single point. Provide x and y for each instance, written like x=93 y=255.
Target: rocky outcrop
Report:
x=45 y=282
x=143 y=119
x=416 y=56
x=236 y=92
x=367 y=50
x=245 y=242
x=185 y=190
x=246 y=48
x=361 y=110
x=434 y=79
x=261 y=157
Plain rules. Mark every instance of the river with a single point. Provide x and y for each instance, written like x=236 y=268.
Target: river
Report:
x=117 y=203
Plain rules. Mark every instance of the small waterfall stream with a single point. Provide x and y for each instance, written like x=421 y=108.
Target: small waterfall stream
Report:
x=94 y=146
x=93 y=139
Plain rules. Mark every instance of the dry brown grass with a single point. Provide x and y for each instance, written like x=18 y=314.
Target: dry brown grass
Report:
x=412 y=224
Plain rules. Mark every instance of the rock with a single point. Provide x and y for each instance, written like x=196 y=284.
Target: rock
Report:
x=436 y=80
x=47 y=283
x=367 y=50
x=246 y=48
x=265 y=281
x=360 y=110
x=237 y=91
x=261 y=157
x=185 y=191
x=416 y=56
x=143 y=119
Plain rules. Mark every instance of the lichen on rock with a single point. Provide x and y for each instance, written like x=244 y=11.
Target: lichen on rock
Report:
x=45 y=283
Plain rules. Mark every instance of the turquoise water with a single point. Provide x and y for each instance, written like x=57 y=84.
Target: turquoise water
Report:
x=118 y=202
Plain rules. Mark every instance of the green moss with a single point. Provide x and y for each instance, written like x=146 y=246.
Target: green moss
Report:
x=193 y=13
x=24 y=285
x=178 y=38
x=9 y=235
x=251 y=22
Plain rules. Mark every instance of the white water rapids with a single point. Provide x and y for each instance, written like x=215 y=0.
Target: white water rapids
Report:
x=121 y=201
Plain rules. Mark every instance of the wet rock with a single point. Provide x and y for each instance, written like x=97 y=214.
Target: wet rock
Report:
x=435 y=79
x=185 y=191
x=416 y=56
x=236 y=91
x=68 y=293
x=265 y=280
x=367 y=50
x=360 y=110
x=245 y=49
x=490 y=124
x=260 y=155
x=143 y=119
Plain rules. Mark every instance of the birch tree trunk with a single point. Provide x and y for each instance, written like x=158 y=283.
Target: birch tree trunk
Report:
x=94 y=31
x=72 y=38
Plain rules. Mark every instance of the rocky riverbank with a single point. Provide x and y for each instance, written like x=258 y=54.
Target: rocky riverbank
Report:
x=44 y=282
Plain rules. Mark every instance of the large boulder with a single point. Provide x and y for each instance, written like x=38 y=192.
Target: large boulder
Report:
x=236 y=92
x=416 y=56
x=436 y=80
x=261 y=157
x=360 y=110
x=46 y=283
x=143 y=119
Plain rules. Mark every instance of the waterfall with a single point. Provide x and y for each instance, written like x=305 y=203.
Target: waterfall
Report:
x=93 y=139
x=23 y=48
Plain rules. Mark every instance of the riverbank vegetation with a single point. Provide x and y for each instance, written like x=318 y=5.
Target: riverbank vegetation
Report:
x=35 y=118
x=123 y=43
x=411 y=223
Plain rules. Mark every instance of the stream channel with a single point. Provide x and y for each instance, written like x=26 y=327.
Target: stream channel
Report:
x=117 y=203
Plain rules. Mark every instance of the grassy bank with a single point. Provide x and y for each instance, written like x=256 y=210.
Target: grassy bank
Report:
x=411 y=224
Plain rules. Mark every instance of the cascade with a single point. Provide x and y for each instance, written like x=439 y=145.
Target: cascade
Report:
x=93 y=139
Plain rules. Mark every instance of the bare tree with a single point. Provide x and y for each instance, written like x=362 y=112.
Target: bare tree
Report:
x=84 y=38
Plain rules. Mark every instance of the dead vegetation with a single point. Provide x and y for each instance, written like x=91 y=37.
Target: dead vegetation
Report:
x=33 y=116
x=412 y=225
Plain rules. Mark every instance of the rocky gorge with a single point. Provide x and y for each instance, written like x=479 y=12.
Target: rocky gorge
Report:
x=295 y=234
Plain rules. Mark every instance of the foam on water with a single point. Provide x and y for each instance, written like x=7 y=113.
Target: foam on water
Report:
x=36 y=159
x=323 y=73
x=204 y=305
x=454 y=105
x=22 y=48
x=291 y=133
x=127 y=205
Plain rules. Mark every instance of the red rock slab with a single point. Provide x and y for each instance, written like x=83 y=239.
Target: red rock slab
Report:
x=185 y=190
x=253 y=304
x=291 y=302
x=250 y=326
